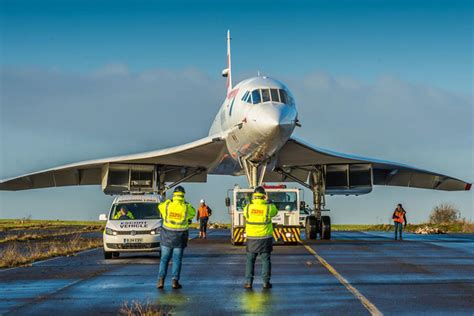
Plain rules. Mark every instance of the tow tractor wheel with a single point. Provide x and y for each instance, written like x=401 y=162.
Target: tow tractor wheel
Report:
x=311 y=228
x=115 y=254
x=107 y=255
x=325 y=227
x=235 y=243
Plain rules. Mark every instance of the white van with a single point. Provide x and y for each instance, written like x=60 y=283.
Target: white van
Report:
x=133 y=225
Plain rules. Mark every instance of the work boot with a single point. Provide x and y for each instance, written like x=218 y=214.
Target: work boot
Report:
x=160 y=284
x=176 y=285
x=248 y=285
x=267 y=285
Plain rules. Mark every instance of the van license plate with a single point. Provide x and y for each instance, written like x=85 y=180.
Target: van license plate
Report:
x=132 y=240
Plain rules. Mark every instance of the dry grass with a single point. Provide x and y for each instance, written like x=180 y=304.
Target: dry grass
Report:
x=23 y=224
x=25 y=236
x=137 y=309
x=13 y=256
x=467 y=226
x=461 y=226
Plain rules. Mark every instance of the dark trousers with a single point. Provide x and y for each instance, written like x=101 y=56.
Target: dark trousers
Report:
x=203 y=224
x=265 y=257
x=398 y=229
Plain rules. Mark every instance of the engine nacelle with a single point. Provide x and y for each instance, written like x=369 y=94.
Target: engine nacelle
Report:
x=349 y=179
x=121 y=178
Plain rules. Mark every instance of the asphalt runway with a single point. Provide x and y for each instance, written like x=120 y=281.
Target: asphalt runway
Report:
x=357 y=273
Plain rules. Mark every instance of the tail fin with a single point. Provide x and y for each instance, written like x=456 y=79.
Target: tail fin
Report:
x=228 y=71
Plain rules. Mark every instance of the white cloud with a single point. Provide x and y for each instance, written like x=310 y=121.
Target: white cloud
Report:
x=115 y=69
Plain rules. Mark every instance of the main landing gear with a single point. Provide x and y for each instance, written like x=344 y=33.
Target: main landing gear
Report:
x=316 y=224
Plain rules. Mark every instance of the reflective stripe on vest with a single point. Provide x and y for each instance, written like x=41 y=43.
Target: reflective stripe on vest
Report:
x=267 y=217
x=183 y=222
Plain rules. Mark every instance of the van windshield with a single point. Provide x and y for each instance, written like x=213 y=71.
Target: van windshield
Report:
x=131 y=211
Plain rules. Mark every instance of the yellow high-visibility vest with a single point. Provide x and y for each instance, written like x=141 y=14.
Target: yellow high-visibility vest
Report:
x=258 y=219
x=176 y=213
x=129 y=215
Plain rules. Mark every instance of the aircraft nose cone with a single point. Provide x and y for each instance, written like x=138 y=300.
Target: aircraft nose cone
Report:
x=276 y=120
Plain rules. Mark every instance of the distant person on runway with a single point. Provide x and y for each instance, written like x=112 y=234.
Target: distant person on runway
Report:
x=203 y=214
x=176 y=214
x=259 y=230
x=399 y=218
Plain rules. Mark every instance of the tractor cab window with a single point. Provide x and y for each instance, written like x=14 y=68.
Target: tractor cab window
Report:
x=284 y=200
x=242 y=199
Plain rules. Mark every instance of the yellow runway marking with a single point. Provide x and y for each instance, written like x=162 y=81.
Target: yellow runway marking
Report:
x=367 y=304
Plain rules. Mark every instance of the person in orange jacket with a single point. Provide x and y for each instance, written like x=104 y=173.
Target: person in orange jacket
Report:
x=203 y=213
x=399 y=218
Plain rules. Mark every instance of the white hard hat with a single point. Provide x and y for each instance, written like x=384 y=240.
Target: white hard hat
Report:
x=202 y=201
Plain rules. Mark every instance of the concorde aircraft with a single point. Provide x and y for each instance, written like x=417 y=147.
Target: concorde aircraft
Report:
x=251 y=135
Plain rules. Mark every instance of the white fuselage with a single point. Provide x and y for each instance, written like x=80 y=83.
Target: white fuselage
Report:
x=256 y=126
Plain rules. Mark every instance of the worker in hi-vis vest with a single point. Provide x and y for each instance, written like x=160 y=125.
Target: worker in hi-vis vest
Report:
x=176 y=216
x=203 y=214
x=123 y=214
x=400 y=220
x=259 y=231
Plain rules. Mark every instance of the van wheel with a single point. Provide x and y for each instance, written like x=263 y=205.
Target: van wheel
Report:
x=107 y=255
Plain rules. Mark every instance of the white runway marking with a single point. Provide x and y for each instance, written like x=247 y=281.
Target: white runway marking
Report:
x=367 y=304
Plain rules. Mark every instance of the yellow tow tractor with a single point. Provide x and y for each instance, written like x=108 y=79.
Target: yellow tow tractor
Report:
x=286 y=226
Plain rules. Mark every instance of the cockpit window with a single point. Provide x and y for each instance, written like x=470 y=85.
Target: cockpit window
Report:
x=283 y=96
x=274 y=93
x=256 y=96
x=249 y=98
x=265 y=95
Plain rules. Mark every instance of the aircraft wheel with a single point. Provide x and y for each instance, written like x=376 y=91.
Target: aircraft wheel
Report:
x=325 y=227
x=107 y=255
x=311 y=228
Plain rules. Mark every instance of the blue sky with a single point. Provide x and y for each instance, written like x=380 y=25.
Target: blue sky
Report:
x=390 y=79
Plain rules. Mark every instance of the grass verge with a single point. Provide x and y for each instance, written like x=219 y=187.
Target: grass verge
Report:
x=457 y=227
x=36 y=236
x=12 y=255
x=9 y=224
